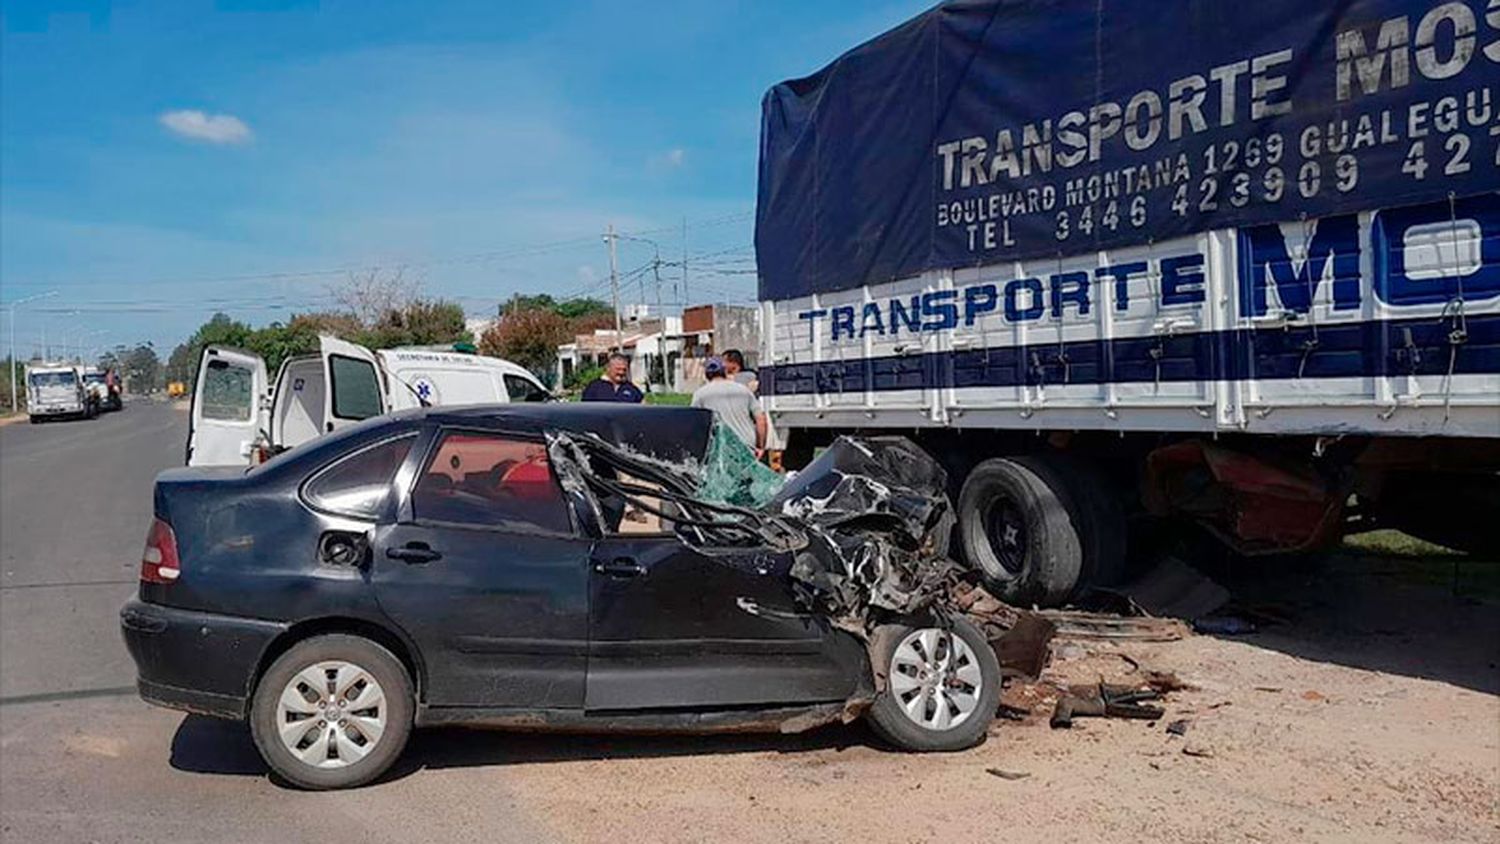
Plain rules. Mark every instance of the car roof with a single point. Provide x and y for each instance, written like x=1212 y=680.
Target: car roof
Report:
x=670 y=433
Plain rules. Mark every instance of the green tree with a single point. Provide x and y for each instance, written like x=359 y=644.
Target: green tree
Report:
x=141 y=369
x=529 y=338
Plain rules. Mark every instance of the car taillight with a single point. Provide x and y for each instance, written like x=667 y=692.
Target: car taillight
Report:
x=159 y=563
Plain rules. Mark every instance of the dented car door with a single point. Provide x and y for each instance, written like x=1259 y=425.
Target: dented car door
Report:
x=674 y=628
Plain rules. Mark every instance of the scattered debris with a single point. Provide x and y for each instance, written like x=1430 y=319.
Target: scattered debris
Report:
x=1166 y=681
x=1069 y=652
x=1101 y=700
x=1199 y=749
x=1007 y=775
x=1178 y=727
x=1272 y=689
x=1314 y=696
x=1006 y=712
x=1223 y=625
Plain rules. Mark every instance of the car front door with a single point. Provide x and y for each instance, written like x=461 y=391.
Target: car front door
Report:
x=483 y=570
x=673 y=628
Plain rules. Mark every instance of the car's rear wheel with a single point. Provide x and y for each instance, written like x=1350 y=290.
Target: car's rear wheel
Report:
x=942 y=686
x=334 y=711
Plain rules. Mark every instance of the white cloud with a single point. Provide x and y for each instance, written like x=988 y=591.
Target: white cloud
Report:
x=213 y=128
x=672 y=159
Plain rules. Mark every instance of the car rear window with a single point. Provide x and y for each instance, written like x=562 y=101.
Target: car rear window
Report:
x=357 y=485
x=228 y=392
x=487 y=480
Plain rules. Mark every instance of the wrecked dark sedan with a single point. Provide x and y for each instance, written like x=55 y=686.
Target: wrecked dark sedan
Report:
x=562 y=567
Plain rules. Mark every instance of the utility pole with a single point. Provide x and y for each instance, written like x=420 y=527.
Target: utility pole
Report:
x=13 y=305
x=614 y=280
x=661 y=322
x=684 y=262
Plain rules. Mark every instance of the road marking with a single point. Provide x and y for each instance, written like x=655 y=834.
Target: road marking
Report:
x=10 y=586
x=78 y=694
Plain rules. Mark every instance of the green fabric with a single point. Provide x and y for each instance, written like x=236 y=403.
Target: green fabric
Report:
x=732 y=475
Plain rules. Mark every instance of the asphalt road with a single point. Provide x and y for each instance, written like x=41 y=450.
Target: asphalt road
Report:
x=81 y=757
x=1370 y=714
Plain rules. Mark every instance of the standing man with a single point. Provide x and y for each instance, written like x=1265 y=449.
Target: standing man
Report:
x=734 y=367
x=733 y=405
x=614 y=384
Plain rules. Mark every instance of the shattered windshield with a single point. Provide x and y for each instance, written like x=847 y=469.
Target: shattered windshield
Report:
x=862 y=521
x=52 y=379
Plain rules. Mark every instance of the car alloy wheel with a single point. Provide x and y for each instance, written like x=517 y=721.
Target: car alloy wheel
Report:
x=331 y=714
x=936 y=679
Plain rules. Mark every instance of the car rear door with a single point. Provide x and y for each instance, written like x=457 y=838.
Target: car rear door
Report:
x=484 y=571
x=354 y=389
x=229 y=411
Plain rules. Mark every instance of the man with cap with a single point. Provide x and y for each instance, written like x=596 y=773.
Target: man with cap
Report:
x=733 y=405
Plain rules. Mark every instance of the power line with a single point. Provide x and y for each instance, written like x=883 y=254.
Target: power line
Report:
x=506 y=253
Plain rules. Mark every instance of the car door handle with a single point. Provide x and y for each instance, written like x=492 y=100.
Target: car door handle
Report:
x=620 y=567
x=414 y=552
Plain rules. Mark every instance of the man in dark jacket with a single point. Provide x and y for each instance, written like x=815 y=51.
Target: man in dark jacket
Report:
x=614 y=384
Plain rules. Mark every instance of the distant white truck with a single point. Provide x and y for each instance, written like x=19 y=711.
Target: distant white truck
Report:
x=55 y=391
x=239 y=416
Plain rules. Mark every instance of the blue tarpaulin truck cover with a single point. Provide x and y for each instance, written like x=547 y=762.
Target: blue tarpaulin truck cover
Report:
x=981 y=132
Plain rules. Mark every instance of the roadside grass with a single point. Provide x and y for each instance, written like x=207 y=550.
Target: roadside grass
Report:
x=1415 y=561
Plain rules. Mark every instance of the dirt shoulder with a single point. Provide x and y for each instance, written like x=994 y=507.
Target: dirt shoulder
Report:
x=1370 y=713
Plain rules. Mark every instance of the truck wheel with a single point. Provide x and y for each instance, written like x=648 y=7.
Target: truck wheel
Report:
x=1100 y=517
x=333 y=712
x=942 y=687
x=1017 y=526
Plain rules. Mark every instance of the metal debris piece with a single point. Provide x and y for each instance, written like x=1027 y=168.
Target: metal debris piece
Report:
x=1007 y=775
x=1165 y=681
x=1174 y=589
x=1223 y=625
x=1019 y=638
x=1178 y=727
x=1102 y=700
x=1072 y=624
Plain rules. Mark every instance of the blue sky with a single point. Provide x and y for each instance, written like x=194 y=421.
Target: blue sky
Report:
x=162 y=161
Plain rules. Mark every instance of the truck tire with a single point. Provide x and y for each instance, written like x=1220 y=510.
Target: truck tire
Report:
x=942 y=686
x=1019 y=527
x=325 y=683
x=1101 y=519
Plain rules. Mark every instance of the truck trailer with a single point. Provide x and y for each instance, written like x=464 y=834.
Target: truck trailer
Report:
x=1132 y=264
